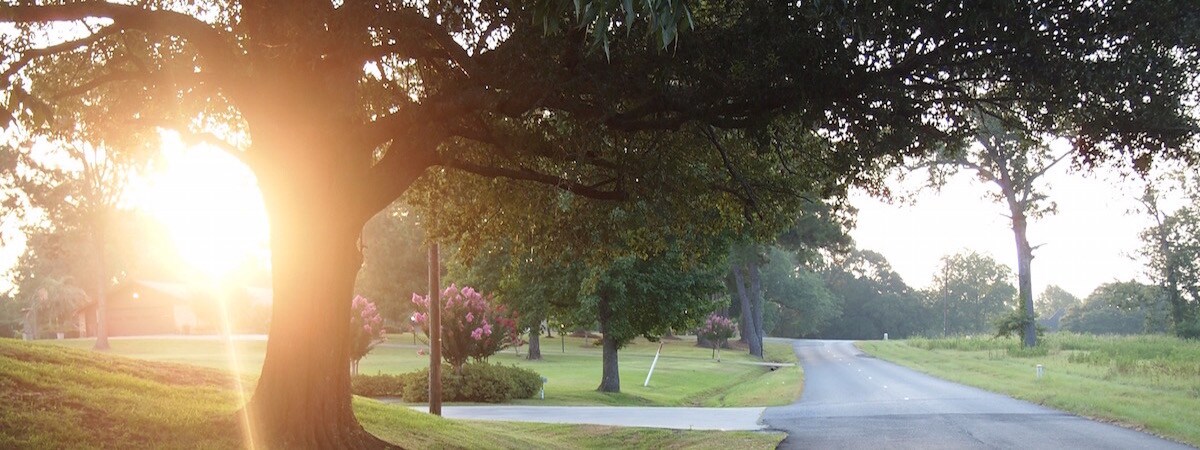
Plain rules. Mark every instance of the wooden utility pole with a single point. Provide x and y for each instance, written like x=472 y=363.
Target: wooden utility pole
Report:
x=435 y=332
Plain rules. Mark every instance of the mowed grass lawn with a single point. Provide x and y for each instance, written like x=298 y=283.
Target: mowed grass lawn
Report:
x=685 y=375
x=55 y=397
x=1143 y=382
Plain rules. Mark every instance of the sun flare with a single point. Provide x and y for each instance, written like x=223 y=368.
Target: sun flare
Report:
x=210 y=204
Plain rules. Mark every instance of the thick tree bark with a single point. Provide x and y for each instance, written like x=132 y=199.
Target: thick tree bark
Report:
x=303 y=395
x=610 y=378
x=535 y=344
x=749 y=329
x=316 y=211
x=756 y=303
x=1025 y=278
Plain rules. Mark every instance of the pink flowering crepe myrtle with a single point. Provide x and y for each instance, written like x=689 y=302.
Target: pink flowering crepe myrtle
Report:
x=474 y=326
x=366 y=330
x=717 y=330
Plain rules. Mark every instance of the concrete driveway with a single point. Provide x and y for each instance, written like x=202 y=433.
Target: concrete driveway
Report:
x=678 y=418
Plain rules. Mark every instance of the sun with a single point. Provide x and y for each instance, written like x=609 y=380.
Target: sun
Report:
x=210 y=204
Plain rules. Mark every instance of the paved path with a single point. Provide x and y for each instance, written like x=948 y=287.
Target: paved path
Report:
x=653 y=417
x=854 y=401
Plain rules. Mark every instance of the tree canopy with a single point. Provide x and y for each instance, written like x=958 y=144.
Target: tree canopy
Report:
x=339 y=107
x=971 y=291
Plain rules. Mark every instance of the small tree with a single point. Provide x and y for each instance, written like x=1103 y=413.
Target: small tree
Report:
x=366 y=329
x=717 y=330
x=474 y=326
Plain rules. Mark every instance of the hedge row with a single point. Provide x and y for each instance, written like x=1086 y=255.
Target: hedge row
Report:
x=478 y=382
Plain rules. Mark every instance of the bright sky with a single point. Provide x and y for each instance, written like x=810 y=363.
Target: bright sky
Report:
x=1093 y=238
x=207 y=199
x=210 y=204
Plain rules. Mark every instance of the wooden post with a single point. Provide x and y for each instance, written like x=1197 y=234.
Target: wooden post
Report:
x=435 y=332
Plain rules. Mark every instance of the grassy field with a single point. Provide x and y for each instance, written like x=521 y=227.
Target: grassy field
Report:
x=684 y=376
x=1144 y=382
x=55 y=397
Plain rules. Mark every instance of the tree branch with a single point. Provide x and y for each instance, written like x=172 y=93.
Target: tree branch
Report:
x=537 y=177
x=31 y=54
x=208 y=40
x=751 y=199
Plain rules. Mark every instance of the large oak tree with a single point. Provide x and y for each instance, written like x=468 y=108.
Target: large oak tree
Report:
x=339 y=107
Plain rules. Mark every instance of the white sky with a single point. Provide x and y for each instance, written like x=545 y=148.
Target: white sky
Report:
x=1093 y=239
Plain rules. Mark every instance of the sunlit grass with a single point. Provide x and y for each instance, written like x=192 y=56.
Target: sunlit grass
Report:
x=1150 y=382
x=686 y=375
x=54 y=397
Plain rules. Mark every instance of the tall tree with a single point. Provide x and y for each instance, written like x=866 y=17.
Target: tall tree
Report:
x=1014 y=161
x=1172 y=248
x=344 y=105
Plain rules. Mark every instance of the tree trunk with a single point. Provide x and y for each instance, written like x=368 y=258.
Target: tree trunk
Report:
x=1024 y=276
x=99 y=230
x=749 y=330
x=302 y=399
x=756 y=303
x=610 y=378
x=535 y=344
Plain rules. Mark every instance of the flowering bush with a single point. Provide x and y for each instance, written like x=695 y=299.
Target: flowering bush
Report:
x=366 y=330
x=716 y=330
x=473 y=325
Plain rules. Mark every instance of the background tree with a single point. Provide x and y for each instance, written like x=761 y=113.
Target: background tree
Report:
x=535 y=286
x=346 y=105
x=1120 y=308
x=73 y=186
x=395 y=263
x=646 y=297
x=970 y=291
x=798 y=299
x=797 y=303
x=1172 y=248
x=1053 y=304
x=873 y=299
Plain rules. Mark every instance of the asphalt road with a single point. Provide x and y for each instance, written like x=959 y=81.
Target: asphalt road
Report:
x=854 y=401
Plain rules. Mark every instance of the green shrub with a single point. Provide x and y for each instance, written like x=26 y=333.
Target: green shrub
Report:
x=381 y=385
x=478 y=382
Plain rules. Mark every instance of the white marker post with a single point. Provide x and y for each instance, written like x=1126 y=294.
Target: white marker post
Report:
x=653 y=363
x=1040 y=371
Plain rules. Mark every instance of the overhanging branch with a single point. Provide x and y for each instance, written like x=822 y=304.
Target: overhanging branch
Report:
x=207 y=39
x=526 y=174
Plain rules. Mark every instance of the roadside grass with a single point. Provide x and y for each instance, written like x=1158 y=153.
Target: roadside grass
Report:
x=1150 y=383
x=685 y=375
x=55 y=397
x=418 y=430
